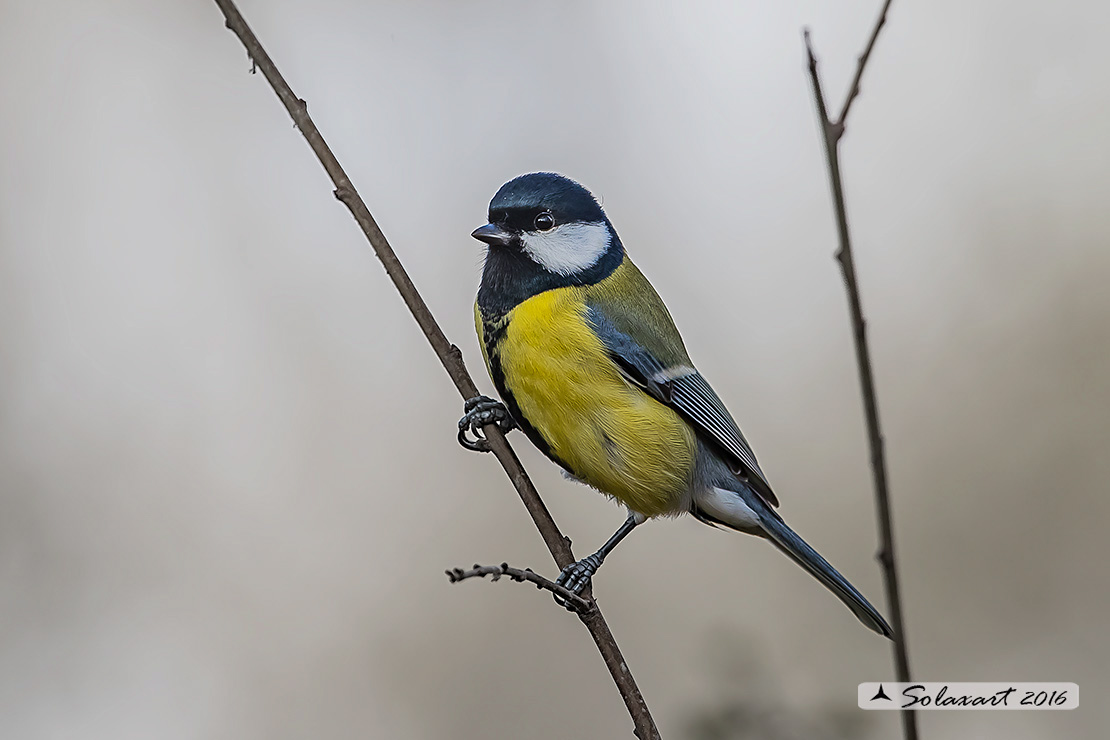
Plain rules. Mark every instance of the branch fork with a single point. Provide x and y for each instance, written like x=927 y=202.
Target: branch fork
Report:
x=832 y=131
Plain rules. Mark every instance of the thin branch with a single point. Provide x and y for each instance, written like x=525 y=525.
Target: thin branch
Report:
x=853 y=91
x=496 y=571
x=822 y=109
x=451 y=358
x=832 y=131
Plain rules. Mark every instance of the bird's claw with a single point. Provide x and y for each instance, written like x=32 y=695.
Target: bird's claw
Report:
x=482 y=411
x=576 y=576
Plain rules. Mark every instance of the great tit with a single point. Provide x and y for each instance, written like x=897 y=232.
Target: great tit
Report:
x=590 y=366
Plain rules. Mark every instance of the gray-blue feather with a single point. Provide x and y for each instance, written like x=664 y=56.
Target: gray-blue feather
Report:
x=801 y=553
x=713 y=473
x=683 y=388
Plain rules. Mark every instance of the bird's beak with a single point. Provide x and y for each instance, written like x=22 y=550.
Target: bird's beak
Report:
x=492 y=235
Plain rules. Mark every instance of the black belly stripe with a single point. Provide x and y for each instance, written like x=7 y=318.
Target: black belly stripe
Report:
x=493 y=329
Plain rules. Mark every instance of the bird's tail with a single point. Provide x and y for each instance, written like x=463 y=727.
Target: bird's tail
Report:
x=801 y=553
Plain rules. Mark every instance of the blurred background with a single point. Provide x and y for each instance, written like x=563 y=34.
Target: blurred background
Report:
x=229 y=481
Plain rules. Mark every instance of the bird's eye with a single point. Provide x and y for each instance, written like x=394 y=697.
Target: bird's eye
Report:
x=545 y=221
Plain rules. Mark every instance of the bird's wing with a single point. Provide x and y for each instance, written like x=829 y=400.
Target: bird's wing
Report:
x=648 y=350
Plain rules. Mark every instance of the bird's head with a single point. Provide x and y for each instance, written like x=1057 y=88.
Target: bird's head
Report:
x=553 y=222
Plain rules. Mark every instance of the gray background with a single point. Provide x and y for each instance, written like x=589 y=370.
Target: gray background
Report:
x=228 y=477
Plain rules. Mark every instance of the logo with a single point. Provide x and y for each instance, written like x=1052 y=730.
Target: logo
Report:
x=880 y=694
x=940 y=695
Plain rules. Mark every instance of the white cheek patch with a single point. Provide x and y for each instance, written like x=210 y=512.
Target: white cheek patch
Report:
x=568 y=248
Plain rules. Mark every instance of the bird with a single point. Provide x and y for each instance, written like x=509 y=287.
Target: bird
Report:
x=591 y=367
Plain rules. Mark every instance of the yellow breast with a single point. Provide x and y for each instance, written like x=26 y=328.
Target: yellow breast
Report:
x=610 y=434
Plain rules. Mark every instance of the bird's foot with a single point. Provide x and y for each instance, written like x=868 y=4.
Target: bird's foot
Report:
x=481 y=411
x=576 y=576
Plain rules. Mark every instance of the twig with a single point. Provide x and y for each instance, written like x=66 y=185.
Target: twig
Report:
x=496 y=571
x=853 y=91
x=832 y=132
x=451 y=358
